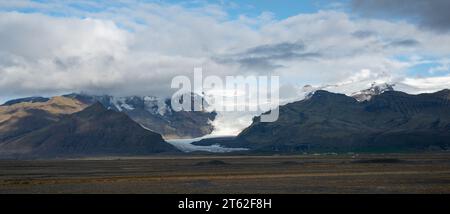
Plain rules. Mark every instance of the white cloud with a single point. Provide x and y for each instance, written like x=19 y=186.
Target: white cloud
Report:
x=429 y=84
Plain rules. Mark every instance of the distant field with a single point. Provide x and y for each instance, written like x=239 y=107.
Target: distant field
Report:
x=393 y=173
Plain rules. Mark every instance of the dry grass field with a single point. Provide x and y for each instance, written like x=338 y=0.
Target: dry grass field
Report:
x=392 y=173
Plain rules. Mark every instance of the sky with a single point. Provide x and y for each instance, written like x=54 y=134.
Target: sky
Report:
x=136 y=47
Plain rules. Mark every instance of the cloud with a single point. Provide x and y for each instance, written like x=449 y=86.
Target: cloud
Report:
x=128 y=49
x=404 y=43
x=363 y=34
x=41 y=54
x=117 y=55
x=266 y=56
x=428 y=14
x=427 y=84
x=284 y=48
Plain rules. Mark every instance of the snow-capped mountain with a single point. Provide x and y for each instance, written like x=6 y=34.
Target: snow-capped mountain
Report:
x=157 y=114
x=151 y=104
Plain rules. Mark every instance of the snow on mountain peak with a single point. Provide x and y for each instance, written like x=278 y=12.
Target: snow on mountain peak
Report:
x=375 y=89
x=349 y=89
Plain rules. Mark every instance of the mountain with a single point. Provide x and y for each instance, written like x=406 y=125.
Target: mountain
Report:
x=375 y=89
x=329 y=122
x=156 y=114
x=22 y=116
x=90 y=132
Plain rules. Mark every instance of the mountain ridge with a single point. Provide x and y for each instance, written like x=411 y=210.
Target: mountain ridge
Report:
x=20 y=118
x=331 y=122
x=151 y=112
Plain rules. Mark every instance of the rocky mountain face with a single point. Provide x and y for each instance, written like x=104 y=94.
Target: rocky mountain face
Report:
x=329 y=122
x=90 y=132
x=156 y=114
